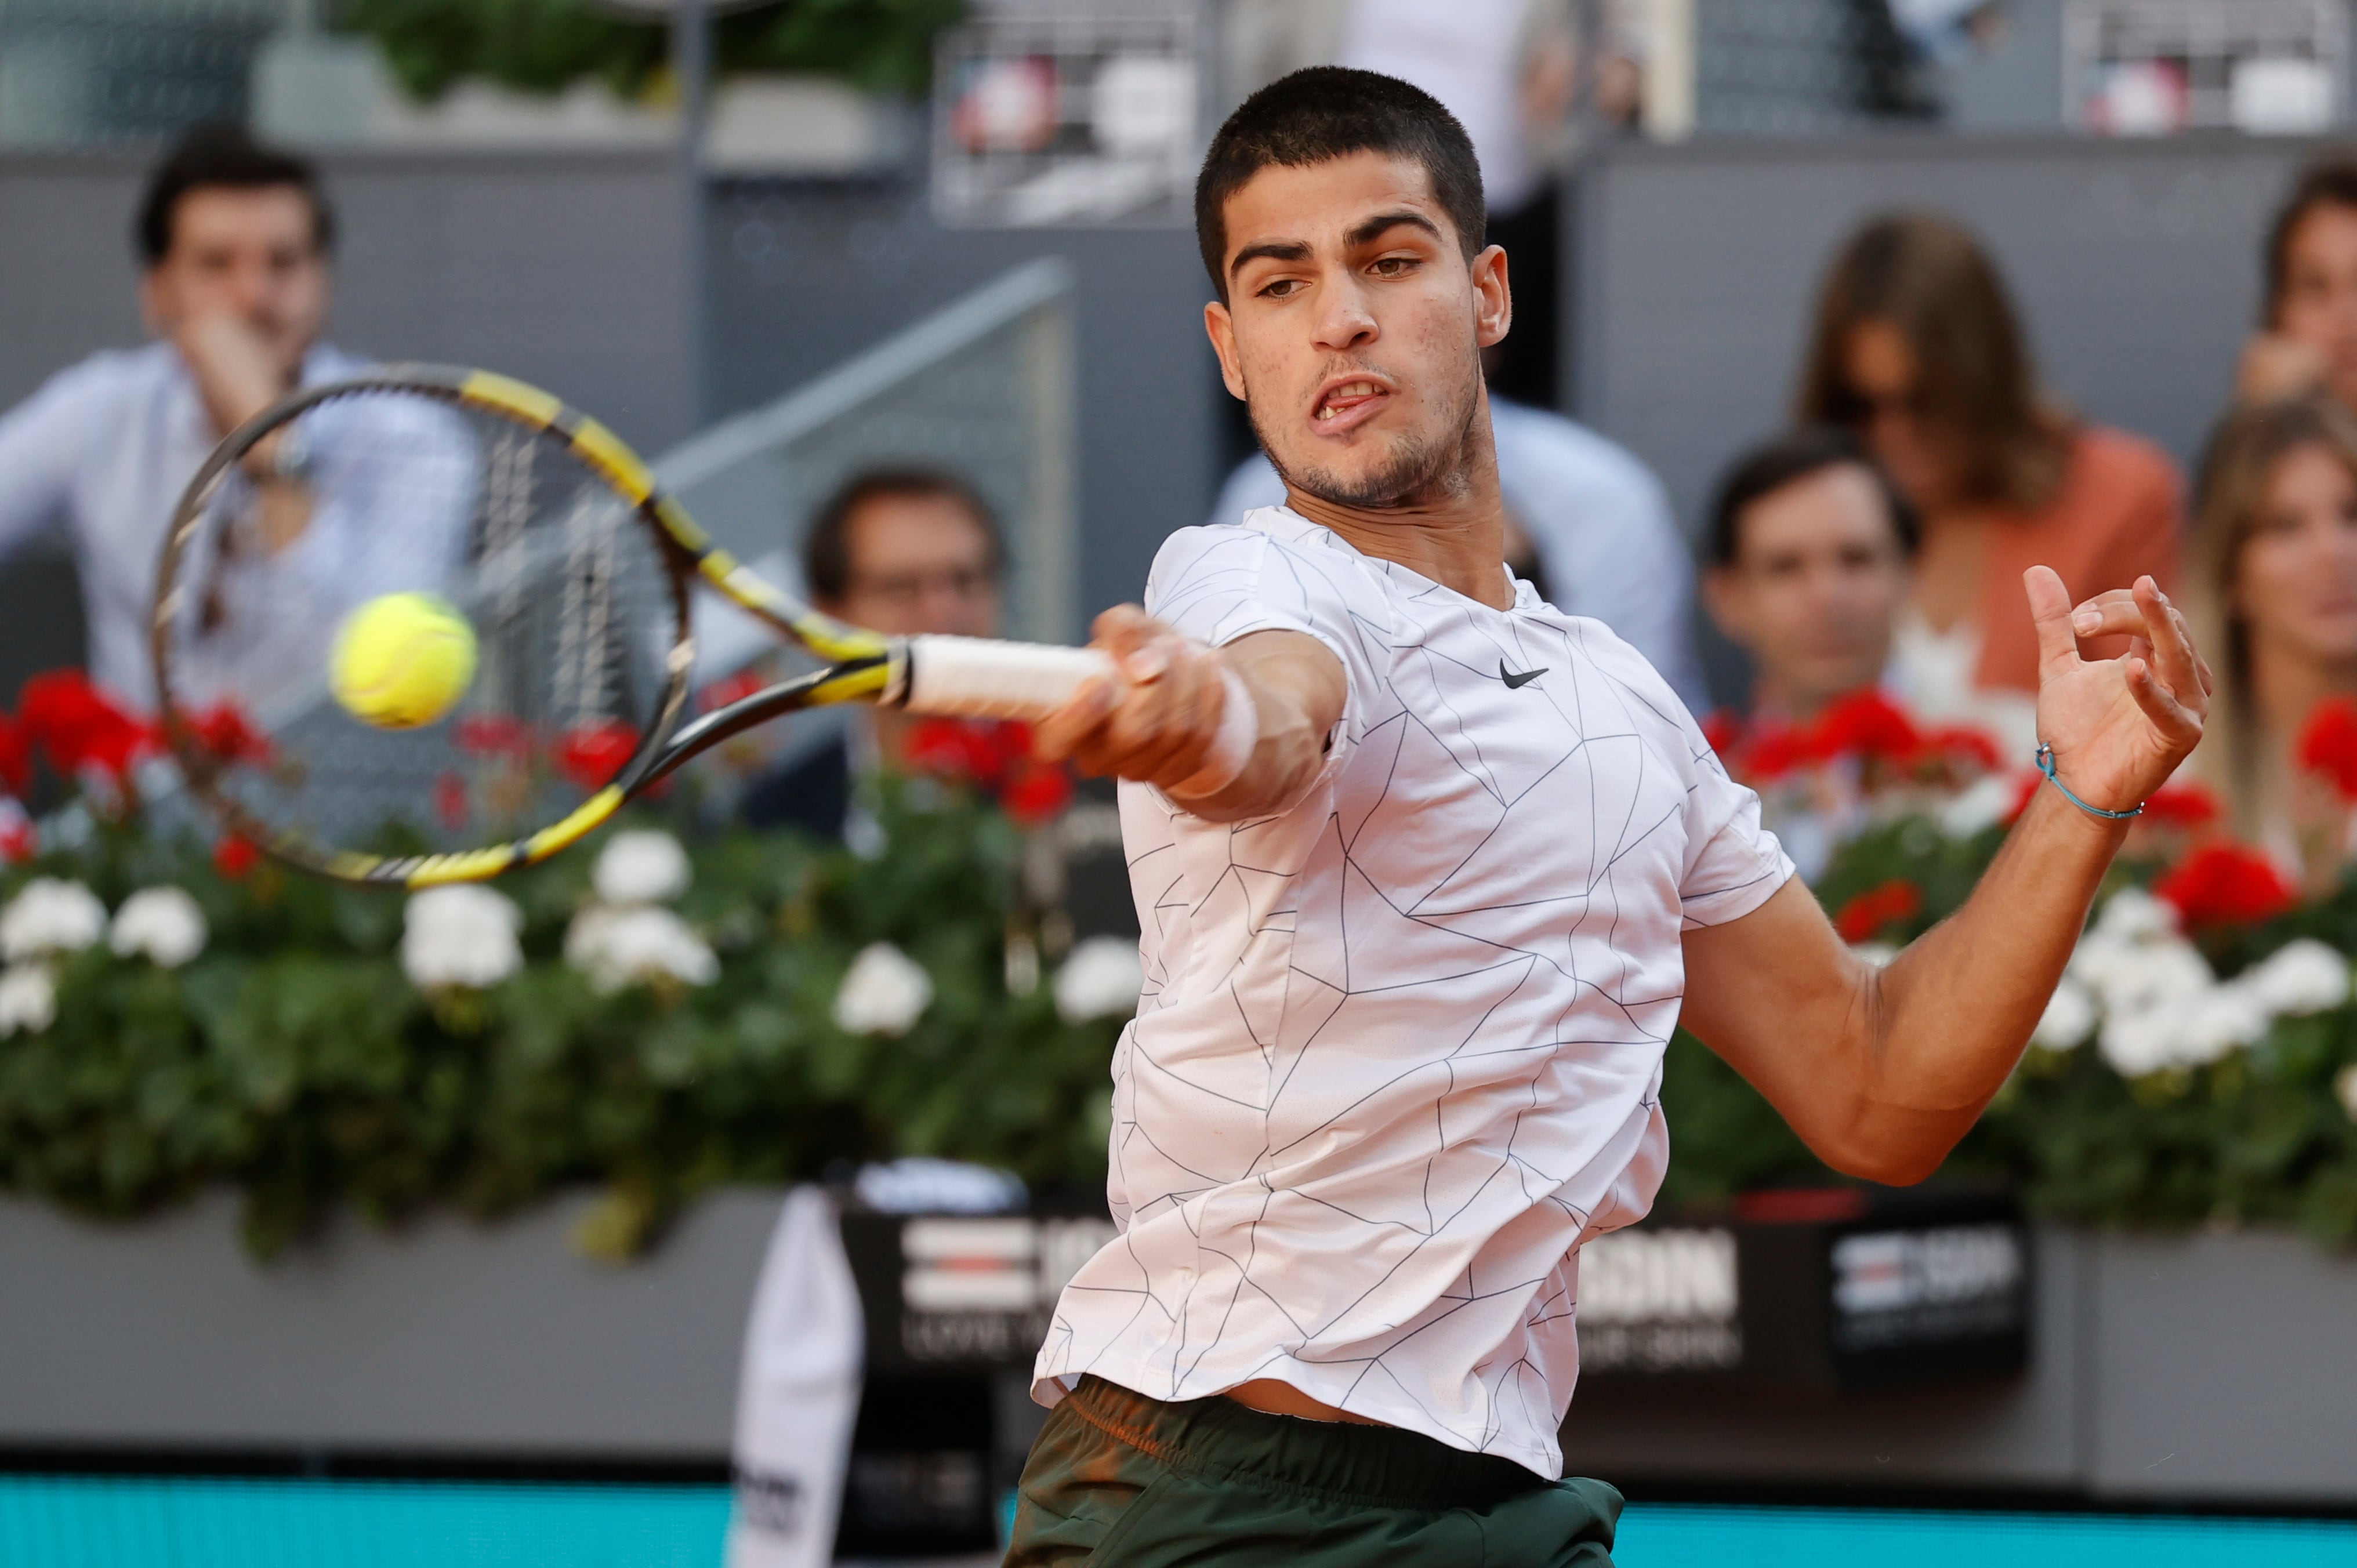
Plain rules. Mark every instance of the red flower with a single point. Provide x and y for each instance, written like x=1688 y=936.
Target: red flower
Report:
x=1770 y=751
x=1036 y=793
x=591 y=754
x=1869 y=912
x=233 y=856
x=20 y=841
x=2181 y=806
x=1867 y=723
x=2224 y=884
x=450 y=800
x=494 y=734
x=81 y=726
x=2328 y=744
x=1960 y=743
x=225 y=732
x=16 y=754
x=730 y=689
x=1724 y=730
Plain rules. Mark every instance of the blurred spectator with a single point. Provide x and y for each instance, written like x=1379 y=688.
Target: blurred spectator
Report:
x=899 y=551
x=233 y=239
x=1600 y=538
x=1917 y=348
x=2274 y=599
x=1807 y=569
x=2307 y=341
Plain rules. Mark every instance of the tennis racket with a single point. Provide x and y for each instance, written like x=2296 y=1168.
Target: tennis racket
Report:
x=573 y=572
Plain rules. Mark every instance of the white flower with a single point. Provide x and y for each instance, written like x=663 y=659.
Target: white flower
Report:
x=1875 y=955
x=628 y=946
x=2139 y=1042
x=1980 y=804
x=885 y=992
x=460 y=935
x=2133 y=915
x=2221 y=1020
x=163 y=923
x=1102 y=979
x=2345 y=1084
x=2069 y=1019
x=641 y=868
x=2303 y=976
x=50 y=915
x=29 y=999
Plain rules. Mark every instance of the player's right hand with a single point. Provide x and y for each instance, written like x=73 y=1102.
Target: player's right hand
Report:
x=1158 y=723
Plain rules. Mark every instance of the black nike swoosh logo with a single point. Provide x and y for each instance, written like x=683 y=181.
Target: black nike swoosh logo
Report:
x=1513 y=681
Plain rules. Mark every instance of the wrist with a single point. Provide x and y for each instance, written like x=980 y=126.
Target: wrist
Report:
x=1232 y=746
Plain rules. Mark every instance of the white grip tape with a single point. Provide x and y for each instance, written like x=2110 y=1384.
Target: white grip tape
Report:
x=1232 y=748
x=980 y=678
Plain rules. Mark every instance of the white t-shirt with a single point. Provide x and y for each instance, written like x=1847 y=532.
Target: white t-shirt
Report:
x=1401 y=1044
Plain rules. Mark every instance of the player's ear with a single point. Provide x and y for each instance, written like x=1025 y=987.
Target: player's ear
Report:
x=1493 y=299
x=1221 y=327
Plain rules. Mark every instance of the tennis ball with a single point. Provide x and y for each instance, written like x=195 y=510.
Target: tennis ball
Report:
x=401 y=660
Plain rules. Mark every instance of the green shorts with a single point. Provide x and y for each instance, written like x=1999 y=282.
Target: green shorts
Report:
x=1119 y=1480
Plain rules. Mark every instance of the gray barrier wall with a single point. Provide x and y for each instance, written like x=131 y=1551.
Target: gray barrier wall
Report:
x=2209 y=1368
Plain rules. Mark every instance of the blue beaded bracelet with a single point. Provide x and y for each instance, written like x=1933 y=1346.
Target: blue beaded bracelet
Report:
x=2046 y=765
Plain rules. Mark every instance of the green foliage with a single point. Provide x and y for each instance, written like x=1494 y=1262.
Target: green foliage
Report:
x=295 y=1060
x=545 y=46
x=2259 y=1137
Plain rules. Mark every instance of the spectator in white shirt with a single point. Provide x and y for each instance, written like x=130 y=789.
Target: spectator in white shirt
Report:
x=234 y=240
x=1603 y=541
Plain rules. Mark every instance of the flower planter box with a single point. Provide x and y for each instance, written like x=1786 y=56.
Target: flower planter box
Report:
x=2212 y=1368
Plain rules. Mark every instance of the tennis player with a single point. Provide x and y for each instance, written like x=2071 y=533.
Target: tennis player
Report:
x=1427 y=873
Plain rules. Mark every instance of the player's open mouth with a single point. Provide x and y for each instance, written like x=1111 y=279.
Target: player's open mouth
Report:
x=1348 y=402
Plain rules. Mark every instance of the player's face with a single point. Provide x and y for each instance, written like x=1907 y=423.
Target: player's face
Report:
x=1353 y=328
x=252 y=255
x=919 y=564
x=2318 y=307
x=1815 y=587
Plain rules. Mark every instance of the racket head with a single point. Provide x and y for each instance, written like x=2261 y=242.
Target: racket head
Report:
x=534 y=523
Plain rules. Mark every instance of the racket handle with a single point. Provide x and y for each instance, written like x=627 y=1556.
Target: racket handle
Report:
x=980 y=678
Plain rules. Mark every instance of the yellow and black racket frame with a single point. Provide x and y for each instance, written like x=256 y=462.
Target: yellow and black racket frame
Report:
x=860 y=664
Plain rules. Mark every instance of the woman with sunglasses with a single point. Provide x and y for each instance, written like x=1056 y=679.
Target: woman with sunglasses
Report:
x=1916 y=347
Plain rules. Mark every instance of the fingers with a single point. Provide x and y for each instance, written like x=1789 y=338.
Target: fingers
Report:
x=2181 y=724
x=2050 y=611
x=1158 y=723
x=2172 y=647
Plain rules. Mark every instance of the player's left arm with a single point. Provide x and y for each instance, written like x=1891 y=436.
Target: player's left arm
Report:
x=1881 y=1071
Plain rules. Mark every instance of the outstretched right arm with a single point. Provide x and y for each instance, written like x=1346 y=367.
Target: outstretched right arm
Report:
x=1161 y=724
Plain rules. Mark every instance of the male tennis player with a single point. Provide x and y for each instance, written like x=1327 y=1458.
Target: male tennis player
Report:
x=1427 y=873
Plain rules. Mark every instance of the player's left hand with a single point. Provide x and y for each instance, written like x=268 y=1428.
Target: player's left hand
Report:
x=2119 y=726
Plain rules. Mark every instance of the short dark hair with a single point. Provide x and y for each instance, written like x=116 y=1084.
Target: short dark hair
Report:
x=1787 y=460
x=826 y=548
x=2330 y=181
x=214 y=157
x=1330 y=112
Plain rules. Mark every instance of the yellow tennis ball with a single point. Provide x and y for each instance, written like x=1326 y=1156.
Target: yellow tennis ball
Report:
x=401 y=660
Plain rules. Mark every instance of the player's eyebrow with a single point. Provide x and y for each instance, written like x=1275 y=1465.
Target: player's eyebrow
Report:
x=1375 y=228
x=1271 y=250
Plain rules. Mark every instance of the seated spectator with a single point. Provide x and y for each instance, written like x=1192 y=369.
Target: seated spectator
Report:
x=233 y=239
x=2273 y=600
x=2306 y=342
x=1916 y=349
x=1598 y=538
x=1807 y=571
x=899 y=551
